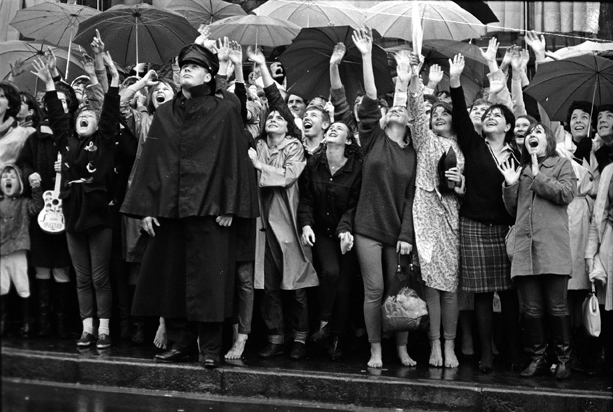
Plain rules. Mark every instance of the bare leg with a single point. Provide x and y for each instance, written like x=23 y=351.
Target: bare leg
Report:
x=238 y=347
x=375 y=360
x=405 y=359
x=451 y=361
x=436 y=356
x=161 y=339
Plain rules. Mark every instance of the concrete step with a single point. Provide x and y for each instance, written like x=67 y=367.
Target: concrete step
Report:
x=313 y=380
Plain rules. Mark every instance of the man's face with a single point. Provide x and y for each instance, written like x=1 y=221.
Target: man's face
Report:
x=87 y=123
x=579 y=124
x=296 y=105
x=314 y=124
x=193 y=75
x=605 y=125
x=10 y=182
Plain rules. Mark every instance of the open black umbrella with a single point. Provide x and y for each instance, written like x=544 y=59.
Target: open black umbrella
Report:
x=479 y=9
x=307 y=63
x=557 y=84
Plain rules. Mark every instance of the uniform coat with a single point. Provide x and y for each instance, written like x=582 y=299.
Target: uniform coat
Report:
x=539 y=204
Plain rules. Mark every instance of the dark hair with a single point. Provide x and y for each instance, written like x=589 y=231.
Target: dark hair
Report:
x=603 y=108
x=71 y=97
x=446 y=107
x=585 y=106
x=550 y=150
x=319 y=96
x=288 y=94
x=11 y=92
x=351 y=149
x=531 y=119
x=37 y=114
x=509 y=117
x=283 y=110
x=443 y=91
x=149 y=101
x=430 y=98
x=480 y=102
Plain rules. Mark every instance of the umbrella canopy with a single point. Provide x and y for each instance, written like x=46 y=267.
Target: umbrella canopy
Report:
x=439 y=19
x=307 y=63
x=557 y=84
x=10 y=51
x=55 y=23
x=310 y=13
x=479 y=9
x=139 y=33
x=255 y=30
x=587 y=47
x=199 y=12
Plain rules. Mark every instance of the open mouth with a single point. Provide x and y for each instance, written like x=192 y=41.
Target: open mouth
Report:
x=8 y=185
x=491 y=123
x=160 y=98
x=533 y=142
x=83 y=123
x=439 y=123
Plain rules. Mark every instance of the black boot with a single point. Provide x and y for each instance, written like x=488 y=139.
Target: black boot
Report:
x=334 y=350
x=44 y=307
x=3 y=314
x=61 y=309
x=560 y=328
x=26 y=329
x=537 y=345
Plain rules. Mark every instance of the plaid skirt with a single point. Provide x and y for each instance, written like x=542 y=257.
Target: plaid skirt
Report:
x=485 y=266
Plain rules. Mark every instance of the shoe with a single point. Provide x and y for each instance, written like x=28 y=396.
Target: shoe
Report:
x=104 y=341
x=537 y=346
x=271 y=349
x=299 y=351
x=26 y=329
x=210 y=362
x=173 y=355
x=560 y=328
x=86 y=339
x=334 y=351
x=125 y=329
x=485 y=368
x=322 y=334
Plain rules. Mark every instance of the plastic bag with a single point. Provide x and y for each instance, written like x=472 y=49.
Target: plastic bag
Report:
x=403 y=312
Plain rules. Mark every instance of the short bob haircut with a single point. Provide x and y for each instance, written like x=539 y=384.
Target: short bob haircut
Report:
x=447 y=108
x=550 y=150
x=149 y=101
x=71 y=97
x=585 y=106
x=283 y=110
x=11 y=92
x=509 y=117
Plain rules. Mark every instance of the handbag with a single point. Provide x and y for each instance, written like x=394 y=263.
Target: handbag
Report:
x=403 y=309
x=447 y=161
x=509 y=241
x=591 y=314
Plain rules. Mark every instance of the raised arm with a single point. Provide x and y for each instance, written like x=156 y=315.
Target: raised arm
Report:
x=461 y=120
x=490 y=54
x=363 y=42
x=97 y=46
x=342 y=109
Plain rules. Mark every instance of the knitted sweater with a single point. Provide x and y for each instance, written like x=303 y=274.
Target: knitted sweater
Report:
x=385 y=208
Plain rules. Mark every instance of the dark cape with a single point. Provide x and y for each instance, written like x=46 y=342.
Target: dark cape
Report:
x=194 y=167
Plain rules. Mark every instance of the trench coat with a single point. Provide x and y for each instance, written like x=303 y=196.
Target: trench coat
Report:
x=539 y=204
x=279 y=196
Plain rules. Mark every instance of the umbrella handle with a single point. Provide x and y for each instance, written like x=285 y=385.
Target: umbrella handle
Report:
x=69 y=51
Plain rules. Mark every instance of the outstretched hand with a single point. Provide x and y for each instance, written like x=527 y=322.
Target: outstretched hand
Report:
x=223 y=49
x=403 y=65
x=510 y=173
x=436 y=74
x=492 y=49
x=97 y=44
x=362 y=38
x=456 y=66
x=255 y=55
x=236 y=53
x=337 y=54
x=203 y=38
x=537 y=44
x=497 y=81
x=41 y=70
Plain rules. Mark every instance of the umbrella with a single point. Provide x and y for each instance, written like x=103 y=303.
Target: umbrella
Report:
x=557 y=84
x=479 y=9
x=55 y=23
x=138 y=33
x=199 y=12
x=440 y=20
x=310 y=13
x=587 y=47
x=255 y=30
x=307 y=63
x=10 y=51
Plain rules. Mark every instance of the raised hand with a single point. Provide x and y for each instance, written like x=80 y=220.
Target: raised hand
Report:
x=88 y=66
x=151 y=78
x=337 y=54
x=363 y=40
x=403 y=65
x=256 y=56
x=51 y=60
x=235 y=53
x=510 y=173
x=456 y=66
x=223 y=49
x=41 y=70
x=506 y=60
x=17 y=67
x=516 y=62
x=492 y=49
x=497 y=81
x=108 y=62
x=203 y=38
x=537 y=44
x=97 y=44
x=525 y=58
x=436 y=74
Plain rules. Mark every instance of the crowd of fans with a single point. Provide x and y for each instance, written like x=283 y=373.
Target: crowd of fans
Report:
x=185 y=190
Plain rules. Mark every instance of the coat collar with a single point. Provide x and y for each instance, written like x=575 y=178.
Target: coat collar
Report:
x=551 y=161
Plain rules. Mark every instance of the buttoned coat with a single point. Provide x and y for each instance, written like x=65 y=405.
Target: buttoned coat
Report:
x=539 y=204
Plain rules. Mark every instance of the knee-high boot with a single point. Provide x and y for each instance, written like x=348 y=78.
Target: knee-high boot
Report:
x=560 y=326
x=537 y=344
x=61 y=309
x=44 y=307
x=26 y=329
